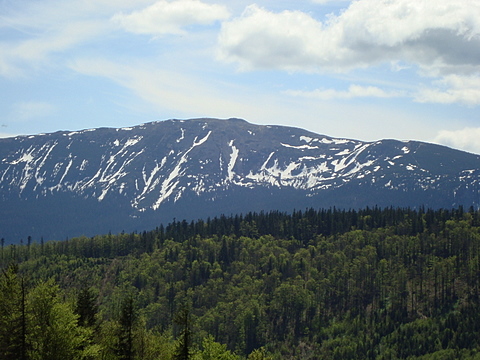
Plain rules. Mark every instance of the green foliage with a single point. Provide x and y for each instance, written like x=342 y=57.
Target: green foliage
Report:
x=259 y=354
x=53 y=331
x=183 y=350
x=212 y=350
x=86 y=308
x=12 y=315
x=329 y=284
x=126 y=330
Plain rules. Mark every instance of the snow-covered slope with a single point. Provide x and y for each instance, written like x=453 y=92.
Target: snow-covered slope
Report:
x=135 y=178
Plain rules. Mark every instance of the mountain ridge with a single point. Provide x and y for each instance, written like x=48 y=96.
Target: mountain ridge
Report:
x=134 y=178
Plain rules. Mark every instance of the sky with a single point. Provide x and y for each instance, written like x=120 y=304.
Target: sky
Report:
x=365 y=69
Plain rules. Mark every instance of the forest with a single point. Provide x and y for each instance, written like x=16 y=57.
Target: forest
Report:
x=374 y=283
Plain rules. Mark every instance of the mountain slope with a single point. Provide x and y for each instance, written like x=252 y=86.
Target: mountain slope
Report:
x=72 y=183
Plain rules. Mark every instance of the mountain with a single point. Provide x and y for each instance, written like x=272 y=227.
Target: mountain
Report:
x=67 y=184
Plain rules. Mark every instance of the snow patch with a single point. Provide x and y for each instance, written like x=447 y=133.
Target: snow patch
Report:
x=169 y=184
x=66 y=170
x=26 y=158
x=182 y=136
x=344 y=152
x=300 y=147
x=233 y=160
x=263 y=167
x=133 y=141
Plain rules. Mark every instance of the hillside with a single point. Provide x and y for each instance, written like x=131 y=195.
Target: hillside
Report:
x=66 y=184
x=329 y=284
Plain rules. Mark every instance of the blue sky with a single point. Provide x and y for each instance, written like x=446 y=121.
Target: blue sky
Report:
x=366 y=69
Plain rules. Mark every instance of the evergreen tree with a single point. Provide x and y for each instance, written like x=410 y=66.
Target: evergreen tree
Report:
x=183 y=349
x=86 y=307
x=125 y=336
x=329 y=284
x=13 y=344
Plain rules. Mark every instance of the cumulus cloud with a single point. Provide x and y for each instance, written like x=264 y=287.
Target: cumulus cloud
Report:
x=441 y=37
x=262 y=39
x=170 y=17
x=354 y=91
x=466 y=139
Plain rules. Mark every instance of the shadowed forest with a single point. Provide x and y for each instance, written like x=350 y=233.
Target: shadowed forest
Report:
x=315 y=284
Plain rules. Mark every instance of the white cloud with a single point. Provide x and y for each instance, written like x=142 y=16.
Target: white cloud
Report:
x=466 y=139
x=440 y=36
x=329 y=1
x=63 y=38
x=30 y=16
x=262 y=39
x=452 y=89
x=170 y=17
x=172 y=92
x=169 y=93
x=354 y=91
x=43 y=29
x=36 y=51
x=30 y=110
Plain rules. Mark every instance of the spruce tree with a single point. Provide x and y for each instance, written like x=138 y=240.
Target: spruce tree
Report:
x=183 y=349
x=125 y=345
x=12 y=315
x=86 y=308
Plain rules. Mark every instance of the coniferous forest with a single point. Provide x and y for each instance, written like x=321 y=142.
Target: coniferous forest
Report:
x=314 y=284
